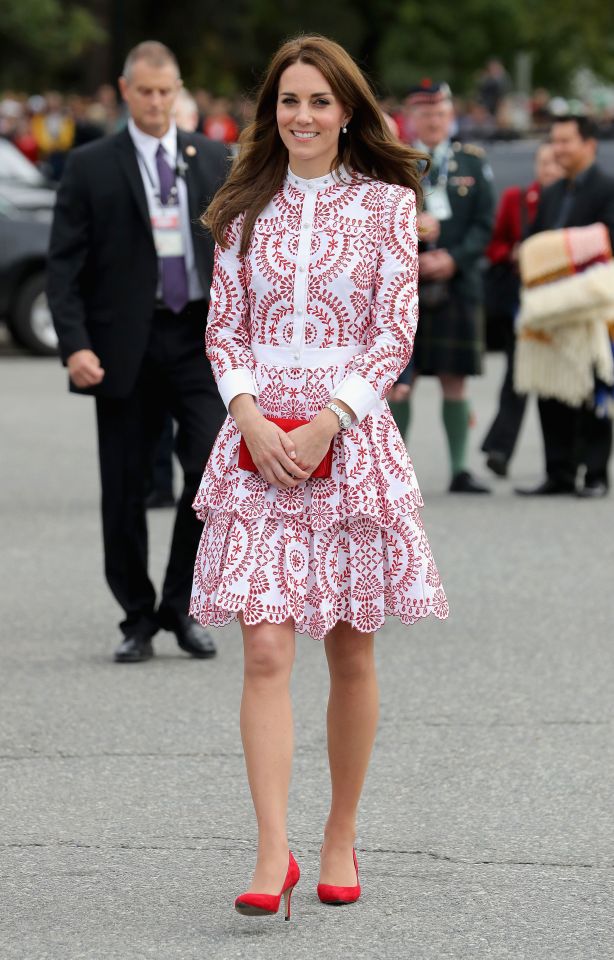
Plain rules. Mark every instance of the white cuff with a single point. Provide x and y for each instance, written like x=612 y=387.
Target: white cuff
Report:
x=358 y=394
x=235 y=382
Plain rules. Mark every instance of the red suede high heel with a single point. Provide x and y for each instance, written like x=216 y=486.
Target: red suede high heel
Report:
x=340 y=896
x=262 y=904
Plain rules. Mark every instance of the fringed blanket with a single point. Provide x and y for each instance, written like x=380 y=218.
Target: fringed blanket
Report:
x=567 y=302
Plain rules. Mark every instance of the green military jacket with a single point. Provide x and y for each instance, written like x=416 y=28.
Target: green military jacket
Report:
x=472 y=200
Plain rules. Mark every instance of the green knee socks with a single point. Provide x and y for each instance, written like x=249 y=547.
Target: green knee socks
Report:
x=456 y=415
x=402 y=416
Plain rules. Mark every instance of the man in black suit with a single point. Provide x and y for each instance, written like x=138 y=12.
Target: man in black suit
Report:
x=129 y=276
x=574 y=437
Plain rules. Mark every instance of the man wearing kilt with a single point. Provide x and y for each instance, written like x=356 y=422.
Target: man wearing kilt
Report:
x=454 y=230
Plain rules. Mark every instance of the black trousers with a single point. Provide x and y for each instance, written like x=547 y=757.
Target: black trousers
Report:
x=175 y=376
x=162 y=470
x=503 y=432
x=575 y=437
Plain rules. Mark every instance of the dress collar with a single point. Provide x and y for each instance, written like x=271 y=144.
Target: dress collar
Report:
x=341 y=175
x=148 y=145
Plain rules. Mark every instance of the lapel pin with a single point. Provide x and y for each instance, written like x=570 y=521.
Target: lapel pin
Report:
x=190 y=151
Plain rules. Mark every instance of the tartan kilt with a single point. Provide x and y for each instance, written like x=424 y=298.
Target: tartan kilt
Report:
x=450 y=338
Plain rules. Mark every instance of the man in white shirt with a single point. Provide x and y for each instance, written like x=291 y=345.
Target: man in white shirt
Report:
x=129 y=276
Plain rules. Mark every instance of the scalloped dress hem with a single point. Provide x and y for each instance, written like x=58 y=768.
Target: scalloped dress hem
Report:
x=222 y=617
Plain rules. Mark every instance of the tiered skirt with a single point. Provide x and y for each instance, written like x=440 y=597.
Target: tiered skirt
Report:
x=351 y=547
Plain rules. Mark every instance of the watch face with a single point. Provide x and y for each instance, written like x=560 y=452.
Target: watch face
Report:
x=345 y=420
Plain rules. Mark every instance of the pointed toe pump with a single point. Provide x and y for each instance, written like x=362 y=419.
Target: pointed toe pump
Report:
x=263 y=904
x=340 y=896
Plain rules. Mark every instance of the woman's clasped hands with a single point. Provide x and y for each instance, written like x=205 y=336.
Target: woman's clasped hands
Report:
x=283 y=459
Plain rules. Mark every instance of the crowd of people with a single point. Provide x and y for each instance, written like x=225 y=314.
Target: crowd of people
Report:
x=45 y=126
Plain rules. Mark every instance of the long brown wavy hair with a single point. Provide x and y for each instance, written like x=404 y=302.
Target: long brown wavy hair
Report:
x=369 y=147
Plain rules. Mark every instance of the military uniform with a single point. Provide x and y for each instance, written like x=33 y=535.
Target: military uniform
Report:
x=450 y=336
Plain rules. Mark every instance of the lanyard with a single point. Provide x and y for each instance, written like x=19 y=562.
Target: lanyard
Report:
x=442 y=178
x=436 y=199
x=173 y=196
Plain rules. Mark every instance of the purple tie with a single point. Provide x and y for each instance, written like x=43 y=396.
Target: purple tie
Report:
x=174 y=275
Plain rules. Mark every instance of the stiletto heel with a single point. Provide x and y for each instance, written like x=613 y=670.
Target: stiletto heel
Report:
x=287 y=899
x=263 y=904
x=340 y=896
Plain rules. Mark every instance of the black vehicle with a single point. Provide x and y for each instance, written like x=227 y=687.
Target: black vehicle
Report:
x=26 y=211
x=24 y=240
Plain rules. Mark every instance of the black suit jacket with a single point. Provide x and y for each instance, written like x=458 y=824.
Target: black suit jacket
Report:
x=593 y=203
x=103 y=268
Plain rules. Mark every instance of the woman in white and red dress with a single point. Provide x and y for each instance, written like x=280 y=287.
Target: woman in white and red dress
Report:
x=314 y=309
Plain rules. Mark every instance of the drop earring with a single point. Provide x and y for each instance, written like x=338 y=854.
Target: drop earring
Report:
x=344 y=129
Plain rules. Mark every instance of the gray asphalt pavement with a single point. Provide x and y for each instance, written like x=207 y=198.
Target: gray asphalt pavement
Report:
x=125 y=822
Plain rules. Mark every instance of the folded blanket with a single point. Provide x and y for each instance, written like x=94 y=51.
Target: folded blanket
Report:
x=567 y=302
x=553 y=254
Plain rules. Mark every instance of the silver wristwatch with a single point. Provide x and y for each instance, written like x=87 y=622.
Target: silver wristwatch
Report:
x=345 y=420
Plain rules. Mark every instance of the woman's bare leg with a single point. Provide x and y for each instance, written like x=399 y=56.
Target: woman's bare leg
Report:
x=267 y=735
x=353 y=708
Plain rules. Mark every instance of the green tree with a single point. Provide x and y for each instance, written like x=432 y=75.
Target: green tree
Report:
x=572 y=36
x=452 y=40
x=446 y=41
x=39 y=38
x=225 y=45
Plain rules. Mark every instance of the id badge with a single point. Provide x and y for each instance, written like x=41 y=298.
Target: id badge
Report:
x=166 y=227
x=437 y=202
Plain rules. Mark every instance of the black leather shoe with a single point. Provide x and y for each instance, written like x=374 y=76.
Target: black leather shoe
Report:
x=463 y=482
x=497 y=462
x=193 y=638
x=134 y=650
x=592 y=490
x=548 y=488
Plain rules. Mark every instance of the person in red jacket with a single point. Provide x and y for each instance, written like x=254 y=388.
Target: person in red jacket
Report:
x=516 y=212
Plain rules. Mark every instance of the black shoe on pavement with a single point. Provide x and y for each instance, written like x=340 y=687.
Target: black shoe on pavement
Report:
x=592 y=490
x=193 y=638
x=159 y=499
x=463 y=482
x=548 y=488
x=497 y=462
x=134 y=650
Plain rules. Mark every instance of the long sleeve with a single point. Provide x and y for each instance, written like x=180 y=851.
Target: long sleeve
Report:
x=394 y=311
x=68 y=252
x=228 y=336
x=506 y=231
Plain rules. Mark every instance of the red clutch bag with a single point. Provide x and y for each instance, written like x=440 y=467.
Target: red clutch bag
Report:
x=322 y=470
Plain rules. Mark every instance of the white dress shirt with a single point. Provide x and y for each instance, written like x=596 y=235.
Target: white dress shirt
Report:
x=146 y=148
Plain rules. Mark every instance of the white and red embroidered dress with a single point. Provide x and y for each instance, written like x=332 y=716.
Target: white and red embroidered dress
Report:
x=323 y=305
